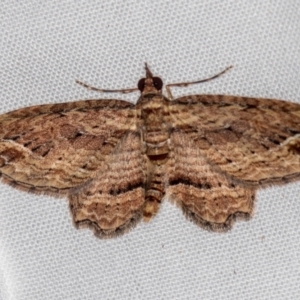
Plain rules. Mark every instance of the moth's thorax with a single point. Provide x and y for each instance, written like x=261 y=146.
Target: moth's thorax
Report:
x=153 y=113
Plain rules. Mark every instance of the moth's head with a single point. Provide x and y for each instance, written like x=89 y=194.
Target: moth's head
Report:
x=150 y=84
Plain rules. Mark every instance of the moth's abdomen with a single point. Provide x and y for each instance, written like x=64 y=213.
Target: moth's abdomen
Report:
x=155 y=189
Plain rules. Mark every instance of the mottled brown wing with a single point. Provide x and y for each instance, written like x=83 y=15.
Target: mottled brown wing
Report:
x=54 y=148
x=254 y=141
x=209 y=198
x=112 y=202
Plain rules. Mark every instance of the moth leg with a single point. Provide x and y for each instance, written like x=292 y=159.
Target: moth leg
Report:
x=91 y=88
x=184 y=84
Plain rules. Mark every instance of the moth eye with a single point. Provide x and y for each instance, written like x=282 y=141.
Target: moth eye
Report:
x=141 y=84
x=157 y=82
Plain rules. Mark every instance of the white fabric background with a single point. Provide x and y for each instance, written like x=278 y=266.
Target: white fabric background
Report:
x=46 y=45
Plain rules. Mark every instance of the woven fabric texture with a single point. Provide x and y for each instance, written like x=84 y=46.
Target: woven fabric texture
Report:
x=46 y=45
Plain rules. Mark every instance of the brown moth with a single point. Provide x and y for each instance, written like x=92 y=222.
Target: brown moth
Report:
x=116 y=161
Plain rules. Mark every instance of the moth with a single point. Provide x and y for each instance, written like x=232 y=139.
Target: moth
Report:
x=115 y=161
